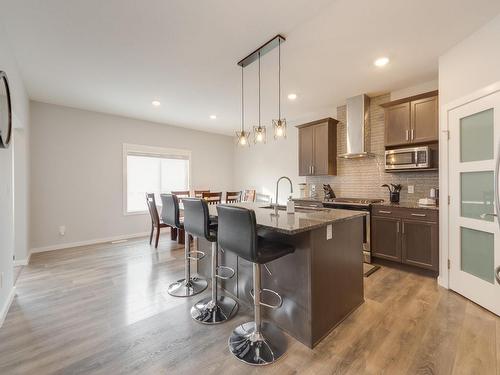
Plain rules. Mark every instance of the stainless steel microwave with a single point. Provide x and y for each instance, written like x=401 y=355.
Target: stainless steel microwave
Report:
x=408 y=158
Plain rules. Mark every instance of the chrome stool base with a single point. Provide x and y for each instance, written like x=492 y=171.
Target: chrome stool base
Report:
x=257 y=349
x=193 y=286
x=208 y=312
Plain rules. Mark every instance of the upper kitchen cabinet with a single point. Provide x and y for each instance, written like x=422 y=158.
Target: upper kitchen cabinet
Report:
x=318 y=148
x=412 y=120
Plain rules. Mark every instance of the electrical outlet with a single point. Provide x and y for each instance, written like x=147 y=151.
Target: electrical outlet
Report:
x=62 y=230
x=411 y=189
x=329 y=232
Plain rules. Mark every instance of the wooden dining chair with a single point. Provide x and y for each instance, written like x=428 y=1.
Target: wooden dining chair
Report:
x=181 y=194
x=199 y=193
x=249 y=195
x=156 y=222
x=212 y=198
x=233 y=196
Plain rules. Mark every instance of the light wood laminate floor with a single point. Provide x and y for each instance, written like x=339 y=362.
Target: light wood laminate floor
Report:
x=104 y=309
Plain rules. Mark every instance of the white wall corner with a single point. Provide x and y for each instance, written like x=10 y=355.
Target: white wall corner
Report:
x=5 y=308
x=24 y=261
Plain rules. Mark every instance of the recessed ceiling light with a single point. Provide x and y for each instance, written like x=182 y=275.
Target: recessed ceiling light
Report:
x=292 y=96
x=213 y=117
x=381 y=61
x=155 y=103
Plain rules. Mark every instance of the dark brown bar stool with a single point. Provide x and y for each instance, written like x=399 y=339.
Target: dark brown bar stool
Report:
x=214 y=309
x=257 y=342
x=233 y=196
x=213 y=198
x=189 y=285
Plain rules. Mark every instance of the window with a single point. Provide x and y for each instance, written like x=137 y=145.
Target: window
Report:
x=152 y=170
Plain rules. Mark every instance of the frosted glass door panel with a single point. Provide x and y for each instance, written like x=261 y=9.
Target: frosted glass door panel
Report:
x=476 y=136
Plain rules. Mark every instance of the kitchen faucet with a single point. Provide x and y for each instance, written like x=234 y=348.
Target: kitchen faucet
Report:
x=277 y=188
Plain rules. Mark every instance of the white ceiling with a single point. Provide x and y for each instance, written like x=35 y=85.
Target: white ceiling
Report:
x=116 y=56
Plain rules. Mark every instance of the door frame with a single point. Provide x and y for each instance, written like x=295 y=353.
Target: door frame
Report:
x=444 y=176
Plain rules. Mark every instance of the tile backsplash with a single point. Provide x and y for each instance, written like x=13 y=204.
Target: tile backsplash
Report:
x=362 y=178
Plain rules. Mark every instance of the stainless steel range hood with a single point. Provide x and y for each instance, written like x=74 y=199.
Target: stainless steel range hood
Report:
x=358 y=128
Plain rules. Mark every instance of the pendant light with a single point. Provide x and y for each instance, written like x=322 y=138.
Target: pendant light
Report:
x=242 y=136
x=259 y=132
x=279 y=125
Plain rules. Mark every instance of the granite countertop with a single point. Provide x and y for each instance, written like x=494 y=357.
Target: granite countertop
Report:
x=301 y=221
x=406 y=205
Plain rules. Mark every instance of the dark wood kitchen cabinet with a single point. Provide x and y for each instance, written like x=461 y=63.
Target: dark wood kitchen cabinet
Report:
x=386 y=239
x=412 y=120
x=406 y=235
x=318 y=148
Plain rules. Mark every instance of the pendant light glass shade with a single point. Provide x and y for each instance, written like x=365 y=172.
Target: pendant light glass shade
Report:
x=279 y=128
x=259 y=132
x=242 y=137
x=279 y=125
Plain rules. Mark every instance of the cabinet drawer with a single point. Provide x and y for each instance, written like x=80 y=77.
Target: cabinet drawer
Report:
x=406 y=213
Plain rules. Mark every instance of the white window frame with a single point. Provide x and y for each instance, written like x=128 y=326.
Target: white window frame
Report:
x=151 y=151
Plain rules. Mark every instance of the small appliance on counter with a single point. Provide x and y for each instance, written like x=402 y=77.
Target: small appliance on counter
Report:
x=432 y=200
x=329 y=193
x=394 y=191
x=304 y=190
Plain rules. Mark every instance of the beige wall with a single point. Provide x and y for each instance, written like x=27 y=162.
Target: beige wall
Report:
x=472 y=64
x=76 y=171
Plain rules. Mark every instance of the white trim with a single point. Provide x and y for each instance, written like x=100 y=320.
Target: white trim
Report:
x=6 y=307
x=128 y=147
x=87 y=243
x=23 y=262
x=444 y=250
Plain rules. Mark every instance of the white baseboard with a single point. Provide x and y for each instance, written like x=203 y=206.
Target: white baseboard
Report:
x=87 y=243
x=5 y=308
x=22 y=262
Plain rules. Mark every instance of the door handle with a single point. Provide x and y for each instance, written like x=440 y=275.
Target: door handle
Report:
x=483 y=216
x=497 y=274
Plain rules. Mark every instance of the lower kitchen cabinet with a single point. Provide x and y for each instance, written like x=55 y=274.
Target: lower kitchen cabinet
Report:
x=386 y=239
x=406 y=235
x=420 y=244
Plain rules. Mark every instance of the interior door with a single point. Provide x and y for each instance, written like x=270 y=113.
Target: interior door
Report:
x=473 y=178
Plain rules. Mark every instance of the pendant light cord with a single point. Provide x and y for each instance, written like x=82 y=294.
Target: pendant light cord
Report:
x=242 y=103
x=279 y=79
x=259 y=91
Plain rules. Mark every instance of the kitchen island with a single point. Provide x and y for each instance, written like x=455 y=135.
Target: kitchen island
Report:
x=321 y=283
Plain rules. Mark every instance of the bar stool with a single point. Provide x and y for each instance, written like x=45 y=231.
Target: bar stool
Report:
x=214 y=309
x=188 y=286
x=257 y=342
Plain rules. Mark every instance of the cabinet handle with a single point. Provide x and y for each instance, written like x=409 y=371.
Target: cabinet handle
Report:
x=412 y=135
x=385 y=212
x=407 y=137
x=312 y=167
x=403 y=227
x=397 y=226
x=419 y=215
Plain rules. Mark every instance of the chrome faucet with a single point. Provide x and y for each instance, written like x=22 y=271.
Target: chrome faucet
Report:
x=277 y=188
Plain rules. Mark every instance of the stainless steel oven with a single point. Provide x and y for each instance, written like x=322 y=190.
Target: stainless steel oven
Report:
x=408 y=158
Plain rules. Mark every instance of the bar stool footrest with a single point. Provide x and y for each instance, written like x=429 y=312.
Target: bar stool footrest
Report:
x=231 y=270
x=274 y=307
x=199 y=255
